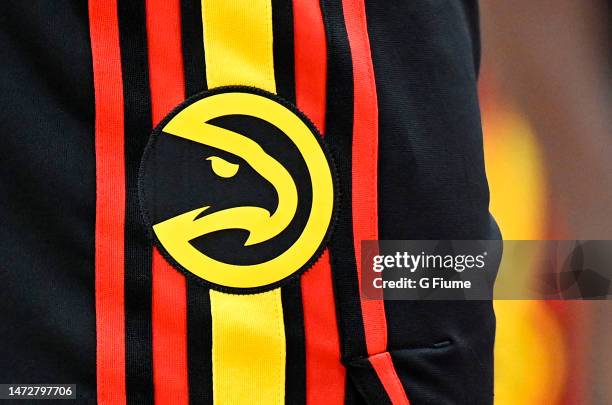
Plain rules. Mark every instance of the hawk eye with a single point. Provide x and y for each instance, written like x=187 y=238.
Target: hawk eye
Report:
x=222 y=167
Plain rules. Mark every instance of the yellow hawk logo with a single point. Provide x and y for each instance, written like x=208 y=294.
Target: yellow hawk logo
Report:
x=175 y=235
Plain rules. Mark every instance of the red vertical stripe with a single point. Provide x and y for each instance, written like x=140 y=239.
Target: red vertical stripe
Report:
x=365 y=188
x=169 y=287
x=383 y=365
x=310 y=60
x=169 y=334
x=365 y=162
x=325 y=374
x=110 y=201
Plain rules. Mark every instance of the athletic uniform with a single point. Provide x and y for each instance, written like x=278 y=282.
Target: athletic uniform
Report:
x=185 y=186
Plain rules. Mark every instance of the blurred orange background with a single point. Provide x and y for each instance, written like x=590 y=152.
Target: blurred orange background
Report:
x=544 y=349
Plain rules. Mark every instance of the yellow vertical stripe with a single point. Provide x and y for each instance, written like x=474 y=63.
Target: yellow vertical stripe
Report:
x=238 y=43
x=248 y=347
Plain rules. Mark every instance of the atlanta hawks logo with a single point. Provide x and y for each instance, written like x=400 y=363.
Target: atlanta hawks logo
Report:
x=237 y=189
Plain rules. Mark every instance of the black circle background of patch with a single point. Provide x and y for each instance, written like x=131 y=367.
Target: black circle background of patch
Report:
x=175 y=177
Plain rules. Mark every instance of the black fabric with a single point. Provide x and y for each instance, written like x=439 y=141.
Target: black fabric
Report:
x=193 y=46
x=364 y=379
x=47 y=196
x=295 y=366
x=137 y=127
x=351 y=395
x=448 y=372
x=199 y=318
x=284 y=66
x=199 y=344
x=432 y=185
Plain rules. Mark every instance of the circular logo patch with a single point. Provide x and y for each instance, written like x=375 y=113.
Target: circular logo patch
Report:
x=237 y=189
